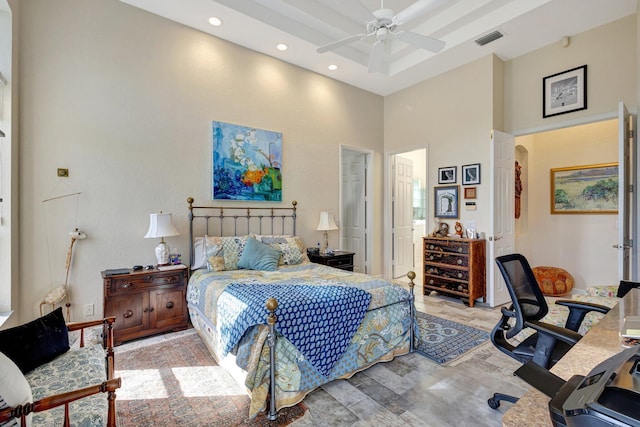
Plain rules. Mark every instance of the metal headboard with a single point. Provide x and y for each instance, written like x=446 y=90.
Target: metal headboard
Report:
x=239 y=221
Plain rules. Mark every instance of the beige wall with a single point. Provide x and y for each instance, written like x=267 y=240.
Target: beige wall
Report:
x=581 y=244
x=453 y=114
x=125 y=100
x=610 y=53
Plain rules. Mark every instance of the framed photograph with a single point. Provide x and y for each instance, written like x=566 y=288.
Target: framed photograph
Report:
x=591 y=189
x=470 y=192
x=471 y=174
x=446 y=201
x=447 y=175
x=564 y=92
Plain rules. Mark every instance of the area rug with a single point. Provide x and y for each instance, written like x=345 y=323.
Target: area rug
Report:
x=443 y=340
x=176 y=382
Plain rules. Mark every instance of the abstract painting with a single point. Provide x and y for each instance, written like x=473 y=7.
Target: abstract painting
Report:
x=247 y=163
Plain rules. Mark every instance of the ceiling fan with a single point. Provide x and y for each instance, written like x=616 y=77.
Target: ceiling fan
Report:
x=383 y=24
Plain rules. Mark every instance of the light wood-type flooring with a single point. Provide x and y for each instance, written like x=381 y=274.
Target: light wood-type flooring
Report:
x=412 y=390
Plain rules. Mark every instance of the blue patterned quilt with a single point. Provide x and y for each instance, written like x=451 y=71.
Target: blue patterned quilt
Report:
x=319 y=320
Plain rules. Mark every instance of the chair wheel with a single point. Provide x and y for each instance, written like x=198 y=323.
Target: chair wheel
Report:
x=493 y=403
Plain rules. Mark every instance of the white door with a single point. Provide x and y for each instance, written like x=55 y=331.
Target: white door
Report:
x=502 y=205
x=353 y=220
x=625 y=174
x=402 y=219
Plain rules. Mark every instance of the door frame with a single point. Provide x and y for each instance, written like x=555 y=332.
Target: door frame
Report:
x=635 y=253
x=369 y=170
x=387 y=240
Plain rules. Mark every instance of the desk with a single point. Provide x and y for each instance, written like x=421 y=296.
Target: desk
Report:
x=600 y=343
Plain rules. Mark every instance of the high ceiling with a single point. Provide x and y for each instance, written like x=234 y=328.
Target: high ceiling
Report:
x=305 y=25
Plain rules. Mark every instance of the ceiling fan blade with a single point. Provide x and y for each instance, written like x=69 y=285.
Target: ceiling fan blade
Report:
x=377 y=55
x=420 y=41
x=413 y=11
x=340 y=43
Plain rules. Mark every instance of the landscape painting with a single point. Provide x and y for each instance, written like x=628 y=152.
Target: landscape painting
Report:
x=247 y=163
x=591 y=189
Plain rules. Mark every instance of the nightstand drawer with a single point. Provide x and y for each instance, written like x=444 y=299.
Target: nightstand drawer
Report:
x=340 y=262
x=144 y=281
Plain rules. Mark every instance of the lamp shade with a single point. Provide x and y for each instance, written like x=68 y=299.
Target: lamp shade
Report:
x=326 y=222
x=160 y=225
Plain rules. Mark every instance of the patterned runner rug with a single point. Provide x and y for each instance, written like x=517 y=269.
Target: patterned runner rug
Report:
x=175 y=381
x=443 y=340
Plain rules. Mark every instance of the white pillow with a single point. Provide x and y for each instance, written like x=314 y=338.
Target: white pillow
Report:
x=14 y=388
x=199 y=254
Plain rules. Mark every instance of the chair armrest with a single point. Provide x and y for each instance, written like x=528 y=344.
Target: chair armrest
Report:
x=547 y=339
x=107 y=338
x=557 y=332
x=21 y=411
x=578 y=310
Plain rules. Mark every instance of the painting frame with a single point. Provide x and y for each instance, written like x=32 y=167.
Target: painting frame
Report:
x=448 y=175
x=446 y=201
x=471 y=174
x=470 y=192
x=246 y=163
x=588 y=189
x=564 y=92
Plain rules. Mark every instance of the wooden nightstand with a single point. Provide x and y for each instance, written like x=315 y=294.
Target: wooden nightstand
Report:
x=340 y=259
x=146 y=302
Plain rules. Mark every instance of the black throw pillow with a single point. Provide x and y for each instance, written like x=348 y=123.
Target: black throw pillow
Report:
x=37 y=342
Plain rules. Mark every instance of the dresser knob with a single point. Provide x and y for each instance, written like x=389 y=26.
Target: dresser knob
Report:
x=459 y=262
x=127 y=314
x=169 y=304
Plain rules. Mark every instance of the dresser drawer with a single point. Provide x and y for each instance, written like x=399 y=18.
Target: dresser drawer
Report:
x=447 y=258
x=139 y=282
x=437 y=283
x=447 y=273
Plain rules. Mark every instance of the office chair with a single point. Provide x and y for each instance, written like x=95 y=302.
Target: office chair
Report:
x=549 y=342
x=625 y=287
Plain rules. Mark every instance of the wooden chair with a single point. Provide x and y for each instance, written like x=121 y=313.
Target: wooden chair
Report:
x=64 y=399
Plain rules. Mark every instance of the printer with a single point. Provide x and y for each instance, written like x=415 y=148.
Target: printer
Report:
x=608 y=396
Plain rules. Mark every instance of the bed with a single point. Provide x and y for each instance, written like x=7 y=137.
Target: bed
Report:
x=314 y=323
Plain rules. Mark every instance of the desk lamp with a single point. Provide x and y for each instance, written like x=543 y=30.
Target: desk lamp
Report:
x=325 y=224
x=160 y=225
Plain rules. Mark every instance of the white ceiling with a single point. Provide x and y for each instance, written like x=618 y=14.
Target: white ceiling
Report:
x=304 y=25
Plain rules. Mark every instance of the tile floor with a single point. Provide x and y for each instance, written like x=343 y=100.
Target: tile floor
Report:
x=412 y=390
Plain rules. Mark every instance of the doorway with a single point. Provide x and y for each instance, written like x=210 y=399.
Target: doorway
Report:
x=591 y=257
x=406 y=209
x=356 y=206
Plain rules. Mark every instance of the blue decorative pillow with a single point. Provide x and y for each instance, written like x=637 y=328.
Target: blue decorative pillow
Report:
x=258 y=256
x=37 y=342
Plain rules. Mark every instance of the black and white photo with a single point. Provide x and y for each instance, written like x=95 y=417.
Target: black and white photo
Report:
x=564 y=92
x=471 y=174
x=447 y=175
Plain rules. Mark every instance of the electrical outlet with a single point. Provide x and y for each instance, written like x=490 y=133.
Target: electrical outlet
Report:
x=88 y=310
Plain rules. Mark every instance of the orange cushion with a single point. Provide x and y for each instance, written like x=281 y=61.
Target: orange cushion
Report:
x=553 y=280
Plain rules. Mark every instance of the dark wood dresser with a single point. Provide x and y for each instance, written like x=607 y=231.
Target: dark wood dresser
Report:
x=456 y=267
x=146 y=302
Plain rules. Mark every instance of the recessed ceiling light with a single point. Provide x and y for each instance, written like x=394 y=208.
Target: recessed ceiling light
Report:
x=282 y=46
x=333 y=67
x=215 y=21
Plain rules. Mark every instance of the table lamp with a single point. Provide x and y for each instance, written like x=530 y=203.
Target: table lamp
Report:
x=160 y=225
x=325 y=224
